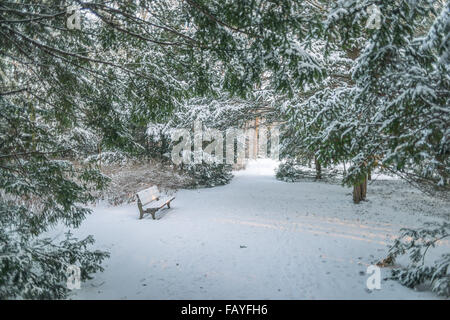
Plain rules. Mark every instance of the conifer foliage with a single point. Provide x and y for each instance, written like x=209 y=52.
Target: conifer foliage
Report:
x=385 y=104
x=66 y=92
x=418 y=244
x=345 y=93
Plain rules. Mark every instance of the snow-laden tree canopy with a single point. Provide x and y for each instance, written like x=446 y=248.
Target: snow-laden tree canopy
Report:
x=344 y=92
x=393 y=108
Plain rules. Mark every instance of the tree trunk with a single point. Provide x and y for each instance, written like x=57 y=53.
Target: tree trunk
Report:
x=369 y=175
x=357 y=193
x=364 y=189
x=360 y=191
x=318 y=168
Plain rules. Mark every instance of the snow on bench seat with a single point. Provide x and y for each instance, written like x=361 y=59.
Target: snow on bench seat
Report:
x=152 y=200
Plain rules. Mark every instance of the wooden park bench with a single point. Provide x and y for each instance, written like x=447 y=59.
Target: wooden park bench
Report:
x=154 y=199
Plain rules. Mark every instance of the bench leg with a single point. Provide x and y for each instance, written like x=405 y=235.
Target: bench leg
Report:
x=141 y=210
x=153 y=214
x=168 y=204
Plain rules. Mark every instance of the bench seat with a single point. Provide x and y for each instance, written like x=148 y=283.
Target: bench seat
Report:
x=151 y=200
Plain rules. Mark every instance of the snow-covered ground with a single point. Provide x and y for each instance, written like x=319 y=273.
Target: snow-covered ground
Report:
x=257 y=238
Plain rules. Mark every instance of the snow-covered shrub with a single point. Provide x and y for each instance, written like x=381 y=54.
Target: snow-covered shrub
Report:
x=416 y=243
x=39 y=269
x=127 y=180
x=288 y=171
x=209 y=175
x=108 y=158
x=293 y=170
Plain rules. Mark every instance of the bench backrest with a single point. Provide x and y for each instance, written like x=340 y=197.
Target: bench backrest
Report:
x=148 y=195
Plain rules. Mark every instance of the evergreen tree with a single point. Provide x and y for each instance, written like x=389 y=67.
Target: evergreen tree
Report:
x=401 y=80
x=387 y=106
x=66 y=91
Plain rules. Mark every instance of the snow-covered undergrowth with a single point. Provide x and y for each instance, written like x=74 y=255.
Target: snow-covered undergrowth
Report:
x=258 y=238
x=129 y=178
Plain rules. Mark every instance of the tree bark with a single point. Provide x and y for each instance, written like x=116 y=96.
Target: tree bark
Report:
x=357 y=193
x=360 y=191
x=364 y=189
x=318 y=168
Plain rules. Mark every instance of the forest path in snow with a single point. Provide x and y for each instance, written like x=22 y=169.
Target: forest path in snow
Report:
x=256 y=238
